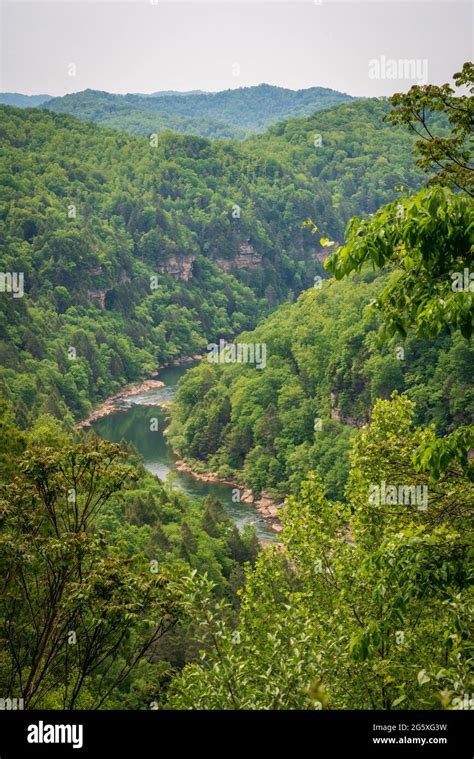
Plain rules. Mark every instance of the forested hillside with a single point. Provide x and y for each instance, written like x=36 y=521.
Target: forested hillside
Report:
x=134 y=254
x=325 y=369
x=136 y=535
x=354 y=151
x=23 y=101
x=369 y=603
x=231 y=113
x=318 y=246
x=327 y=360
x=141 y=115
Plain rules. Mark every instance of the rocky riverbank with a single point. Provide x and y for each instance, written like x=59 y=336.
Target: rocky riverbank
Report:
x=111 y=405
x=266 y=505
x=182 y=361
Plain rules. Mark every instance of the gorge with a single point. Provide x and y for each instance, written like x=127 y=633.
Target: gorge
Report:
x=132 y=425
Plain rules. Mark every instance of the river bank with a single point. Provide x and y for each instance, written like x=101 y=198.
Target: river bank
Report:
x=112 y=404
x=265 y=505
x=133 y=425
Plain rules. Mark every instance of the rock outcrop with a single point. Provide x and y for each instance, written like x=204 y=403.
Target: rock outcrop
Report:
x=110 y=406
x=246 y=258
x=178 y=266
x=265 y=504
x=98 y=295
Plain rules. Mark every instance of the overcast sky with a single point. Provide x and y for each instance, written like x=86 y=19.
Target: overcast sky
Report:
x=149 y=45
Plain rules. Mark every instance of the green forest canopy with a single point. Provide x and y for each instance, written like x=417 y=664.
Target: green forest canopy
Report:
x=90 y=215
x=120 y=592
x=219 y=115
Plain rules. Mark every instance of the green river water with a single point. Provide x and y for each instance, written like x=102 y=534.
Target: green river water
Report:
x=132 y=423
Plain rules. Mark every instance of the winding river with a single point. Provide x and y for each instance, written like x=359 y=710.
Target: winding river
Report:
x=132 y=423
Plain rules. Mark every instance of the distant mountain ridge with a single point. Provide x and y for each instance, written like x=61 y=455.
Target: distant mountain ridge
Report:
x=140 y=115
x=232 y=113
x=23 y=101
x=163 y=93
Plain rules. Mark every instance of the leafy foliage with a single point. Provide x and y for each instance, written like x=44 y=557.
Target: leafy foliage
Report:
x=119 y=591
x=367 y=607
x=89 y=544
x=449 y=155
x=429 y=239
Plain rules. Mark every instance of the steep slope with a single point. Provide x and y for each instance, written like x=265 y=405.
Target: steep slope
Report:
x=324 y=368
x=133 y=254
x=351 y=149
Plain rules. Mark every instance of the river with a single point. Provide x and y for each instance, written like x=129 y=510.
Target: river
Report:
x=132 y=424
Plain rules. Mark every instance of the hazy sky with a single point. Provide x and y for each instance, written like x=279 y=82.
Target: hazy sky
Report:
x=149 y=45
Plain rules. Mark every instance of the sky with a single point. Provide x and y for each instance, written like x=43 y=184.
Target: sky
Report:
x=144 y=46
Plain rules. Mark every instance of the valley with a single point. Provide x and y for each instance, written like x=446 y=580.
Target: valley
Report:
x=236 y=399
x=132 y=424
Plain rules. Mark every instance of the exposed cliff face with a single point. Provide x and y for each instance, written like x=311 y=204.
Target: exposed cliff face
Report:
x=246 y=258
x=98 y=296
x=343 y=418
x=178 y=266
